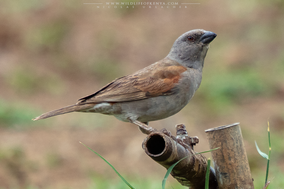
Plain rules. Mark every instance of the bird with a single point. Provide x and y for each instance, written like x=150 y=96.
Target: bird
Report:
x=155 y=92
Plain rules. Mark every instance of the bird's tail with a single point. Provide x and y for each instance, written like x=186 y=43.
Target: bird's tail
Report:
x=64 y=110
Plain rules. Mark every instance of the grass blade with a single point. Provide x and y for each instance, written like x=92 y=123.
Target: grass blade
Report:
x=110 y=166
x=267 y=171
x=269 y=152
x=169 y=171
x=172 y=167
x=207 y=174
x=268 y=131
x=207 y=151
x=264 y=155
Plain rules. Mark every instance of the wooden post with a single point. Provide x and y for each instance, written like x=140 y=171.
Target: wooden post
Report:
x=230 y=161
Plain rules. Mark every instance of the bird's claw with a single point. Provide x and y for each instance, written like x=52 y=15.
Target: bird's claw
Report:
x=146 y=129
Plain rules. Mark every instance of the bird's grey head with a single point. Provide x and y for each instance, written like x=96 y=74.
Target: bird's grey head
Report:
x=191 y=47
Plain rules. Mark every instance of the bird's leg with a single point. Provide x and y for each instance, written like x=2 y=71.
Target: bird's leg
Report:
x=143 y=130
x=143 y=127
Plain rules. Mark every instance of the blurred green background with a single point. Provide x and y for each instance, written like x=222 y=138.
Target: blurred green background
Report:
x=55 y=52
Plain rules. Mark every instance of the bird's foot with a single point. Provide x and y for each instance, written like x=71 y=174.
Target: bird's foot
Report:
x=168 y=133
x=144 y=128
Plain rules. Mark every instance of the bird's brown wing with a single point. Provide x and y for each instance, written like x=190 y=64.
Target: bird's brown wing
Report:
x=155 y=80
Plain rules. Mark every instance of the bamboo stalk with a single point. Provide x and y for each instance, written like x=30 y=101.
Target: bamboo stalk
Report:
x=230 y=161
x=167 y=150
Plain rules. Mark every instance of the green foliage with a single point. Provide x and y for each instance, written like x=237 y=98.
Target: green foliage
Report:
x=15 y=115
x=106 y=69
x=227 y=88
x=48 y=36
x=53 y=160
x=107 y=40
x=13 y=153
x=99 y=181
x=25 y=81
x=278 y=69
x=14 y=163
x=18 y=6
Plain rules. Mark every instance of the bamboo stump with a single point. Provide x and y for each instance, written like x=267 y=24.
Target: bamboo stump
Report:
x=230 y=161
x=167 y=149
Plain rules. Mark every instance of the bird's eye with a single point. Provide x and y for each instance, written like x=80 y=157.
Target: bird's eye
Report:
x=190 y=38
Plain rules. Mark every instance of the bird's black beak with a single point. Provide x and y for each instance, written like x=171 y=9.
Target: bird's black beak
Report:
x=207 y=37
